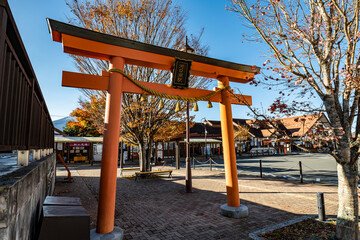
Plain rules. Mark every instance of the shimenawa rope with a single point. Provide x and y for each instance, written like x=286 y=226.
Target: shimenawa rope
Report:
x=163 y=95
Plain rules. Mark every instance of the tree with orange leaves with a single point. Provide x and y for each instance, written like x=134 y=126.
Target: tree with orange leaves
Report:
x=157 y=22
x=88 y=118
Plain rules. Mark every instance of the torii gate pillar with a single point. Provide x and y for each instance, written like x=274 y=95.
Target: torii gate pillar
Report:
x=232 y=208
x=108 y=177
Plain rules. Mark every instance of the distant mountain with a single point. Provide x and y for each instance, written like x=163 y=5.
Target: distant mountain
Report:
x=60 y=123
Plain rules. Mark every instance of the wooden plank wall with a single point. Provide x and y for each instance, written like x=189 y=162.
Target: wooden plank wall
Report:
x=25 y=122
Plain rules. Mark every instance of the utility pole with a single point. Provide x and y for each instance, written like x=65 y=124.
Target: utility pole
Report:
x=188 y=178
x=188 y=163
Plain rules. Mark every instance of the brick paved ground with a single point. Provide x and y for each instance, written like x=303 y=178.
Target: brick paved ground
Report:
x=160 y=208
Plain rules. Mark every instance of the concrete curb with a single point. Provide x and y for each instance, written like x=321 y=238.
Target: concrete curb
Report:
x=255 y=235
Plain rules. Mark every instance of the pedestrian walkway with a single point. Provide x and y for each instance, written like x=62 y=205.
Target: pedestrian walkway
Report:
x=160 y=208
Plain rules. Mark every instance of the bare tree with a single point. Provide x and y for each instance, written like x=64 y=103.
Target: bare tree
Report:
x=149 y=21
x=314 y=45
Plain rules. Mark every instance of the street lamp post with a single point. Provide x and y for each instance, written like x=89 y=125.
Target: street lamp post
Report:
x=188 y=178
x=206 y=154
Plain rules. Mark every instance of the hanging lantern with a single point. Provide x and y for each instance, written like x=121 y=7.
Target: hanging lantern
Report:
x=143 y=97
x=161 y=104
x=196 y=108
x=209 y=104
x=177 y=107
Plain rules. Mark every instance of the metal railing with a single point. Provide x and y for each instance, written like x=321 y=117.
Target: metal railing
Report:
x=25 y=121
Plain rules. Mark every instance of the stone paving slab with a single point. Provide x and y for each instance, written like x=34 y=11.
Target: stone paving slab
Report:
x=160 y=208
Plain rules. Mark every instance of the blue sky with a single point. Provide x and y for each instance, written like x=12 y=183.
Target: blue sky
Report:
x=223 y=33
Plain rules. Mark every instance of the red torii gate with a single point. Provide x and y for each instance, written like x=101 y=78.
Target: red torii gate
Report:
x=119 y=51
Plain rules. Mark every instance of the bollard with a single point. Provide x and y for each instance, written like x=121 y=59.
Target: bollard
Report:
x=210 y=164
x=260 y=168
x=301 y=173
x=193 y=162
x=321 y=206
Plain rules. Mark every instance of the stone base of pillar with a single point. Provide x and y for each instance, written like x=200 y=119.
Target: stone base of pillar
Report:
x=234 y=212
x=116 y=234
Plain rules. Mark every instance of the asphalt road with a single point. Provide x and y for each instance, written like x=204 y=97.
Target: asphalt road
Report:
x=316 y=167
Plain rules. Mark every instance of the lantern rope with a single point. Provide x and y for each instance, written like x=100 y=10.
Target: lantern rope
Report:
x=163 y=95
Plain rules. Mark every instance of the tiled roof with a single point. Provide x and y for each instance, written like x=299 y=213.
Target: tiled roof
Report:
x=294 y=126
x=267 y=132
x=214 y=123
x=256 y=132
x=300 y=125
x=199 y=128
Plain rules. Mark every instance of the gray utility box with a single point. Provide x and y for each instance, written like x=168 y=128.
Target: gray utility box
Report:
x=62 y=201
x=62 y=221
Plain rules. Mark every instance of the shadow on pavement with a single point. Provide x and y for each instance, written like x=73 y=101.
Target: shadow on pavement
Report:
x=160 y=208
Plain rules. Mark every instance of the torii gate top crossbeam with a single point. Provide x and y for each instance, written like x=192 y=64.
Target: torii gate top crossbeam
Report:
x=97 y=45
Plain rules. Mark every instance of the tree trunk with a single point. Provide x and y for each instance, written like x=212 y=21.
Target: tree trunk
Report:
x=347 y=218
x=142 y=157
x=121 y=155
x=148 y=155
